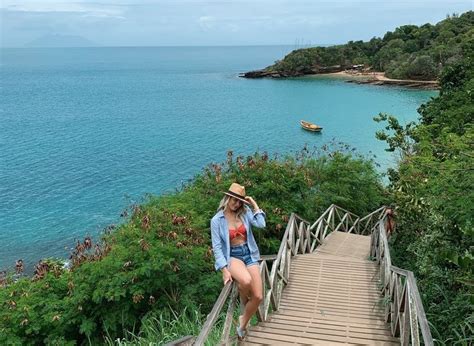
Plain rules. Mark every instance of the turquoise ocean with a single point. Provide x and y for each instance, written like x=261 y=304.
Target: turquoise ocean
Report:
x=86 y=132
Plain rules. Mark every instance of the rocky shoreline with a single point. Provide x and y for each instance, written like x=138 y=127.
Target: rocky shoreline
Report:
x=372 y=78
x=285 y=74
x=415 y=84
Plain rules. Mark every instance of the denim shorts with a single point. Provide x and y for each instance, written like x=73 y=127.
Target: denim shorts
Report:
x=242 y=253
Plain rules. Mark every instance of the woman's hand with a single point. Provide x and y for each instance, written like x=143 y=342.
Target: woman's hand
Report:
x=252 y=202
x=226 y=275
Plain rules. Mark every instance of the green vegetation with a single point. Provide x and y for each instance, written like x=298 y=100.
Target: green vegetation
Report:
x=434 y=194
x=166 y=327
x=160 y=259
x=409 y=52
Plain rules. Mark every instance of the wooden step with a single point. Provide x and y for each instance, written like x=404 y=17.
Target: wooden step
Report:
x=332 y=298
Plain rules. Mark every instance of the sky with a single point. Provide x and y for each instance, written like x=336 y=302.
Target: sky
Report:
x=214 y=22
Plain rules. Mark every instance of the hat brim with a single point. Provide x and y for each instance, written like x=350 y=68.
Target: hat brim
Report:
x=234 y=195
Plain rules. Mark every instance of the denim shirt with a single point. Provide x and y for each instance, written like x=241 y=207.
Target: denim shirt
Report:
x=220 y=235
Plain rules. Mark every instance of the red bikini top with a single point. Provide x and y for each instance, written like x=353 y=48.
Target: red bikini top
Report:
x=239 y=231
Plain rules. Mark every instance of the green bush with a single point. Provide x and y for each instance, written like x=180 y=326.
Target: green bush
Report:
x=160 y=258
x=433 y=191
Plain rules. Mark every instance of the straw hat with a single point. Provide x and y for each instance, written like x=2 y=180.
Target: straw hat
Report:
x=237 y=191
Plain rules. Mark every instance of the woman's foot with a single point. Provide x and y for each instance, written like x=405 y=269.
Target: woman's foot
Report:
x=241 y=329
x=240 y=333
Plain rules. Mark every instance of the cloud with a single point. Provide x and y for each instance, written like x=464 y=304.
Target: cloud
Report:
x=206 y=22
x=82 y=9
x=214 y=22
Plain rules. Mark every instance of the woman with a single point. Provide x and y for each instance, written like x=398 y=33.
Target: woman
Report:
x=235 y=249
x=390 y=221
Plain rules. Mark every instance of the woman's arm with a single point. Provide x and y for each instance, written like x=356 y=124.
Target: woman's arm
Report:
x=217 y=245
x=257 y=217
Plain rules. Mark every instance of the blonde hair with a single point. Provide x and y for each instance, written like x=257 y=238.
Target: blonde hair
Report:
x=225 y=201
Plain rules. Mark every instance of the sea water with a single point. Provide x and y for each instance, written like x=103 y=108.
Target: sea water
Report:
x=85 y=132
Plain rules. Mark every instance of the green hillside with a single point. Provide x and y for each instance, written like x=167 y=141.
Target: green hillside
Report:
x=409 y=52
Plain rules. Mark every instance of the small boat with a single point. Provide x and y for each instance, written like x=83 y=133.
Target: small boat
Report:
x=310 y=127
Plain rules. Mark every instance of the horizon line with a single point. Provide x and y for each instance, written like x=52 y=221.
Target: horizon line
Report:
x=179 y=46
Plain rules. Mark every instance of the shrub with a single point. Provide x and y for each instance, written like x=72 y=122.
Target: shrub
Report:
x=160 y=258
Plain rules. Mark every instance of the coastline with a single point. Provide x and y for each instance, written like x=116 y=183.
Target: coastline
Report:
x=379 y=78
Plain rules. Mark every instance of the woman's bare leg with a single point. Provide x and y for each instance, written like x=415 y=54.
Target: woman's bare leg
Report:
x=256 y=295
x=239 y=272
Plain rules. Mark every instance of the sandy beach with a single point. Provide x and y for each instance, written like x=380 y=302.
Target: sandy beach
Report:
x=379 y=78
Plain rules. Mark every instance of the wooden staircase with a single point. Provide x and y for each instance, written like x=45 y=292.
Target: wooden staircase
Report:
x=332 y=298
x=332 y=282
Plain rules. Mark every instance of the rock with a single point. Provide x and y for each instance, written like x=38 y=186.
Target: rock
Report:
x=258 y=74
x=297 y=73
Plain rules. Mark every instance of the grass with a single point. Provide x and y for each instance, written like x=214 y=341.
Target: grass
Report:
x=168 y=326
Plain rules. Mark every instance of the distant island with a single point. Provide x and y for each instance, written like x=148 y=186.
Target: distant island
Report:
x=411 y=56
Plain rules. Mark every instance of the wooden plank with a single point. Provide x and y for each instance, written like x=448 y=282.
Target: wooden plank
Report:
x=350 y=323
x=356 y=279
x=351 y=320
x=320 y=257
x=346 y=211
x=335 y=285
x=341 y=280
x=331 y=288
x=268 y=257
x=327 y=330
x=327 y=222
x=320 y=218
x=349 y=274
x=422 y=320
x=349 y=303
x=336 y=288
x=340 y=265
x=354 y=228
x=374 y=299
x=309 y=338
x=333 y=305
x=348 y=306
x=334 y=299
x=333 y=315
x=214 y=314
x=335 y=280
x=229 y=315
x=253 y=340
x=184 y=341
x=405 y=325
x=262 y=309
x=356 y=299
x=317 y=324
x=281 y=250
x=342 y=268
x=344 y=218
x=336 y=311
x=327 y=311
x=336 y=262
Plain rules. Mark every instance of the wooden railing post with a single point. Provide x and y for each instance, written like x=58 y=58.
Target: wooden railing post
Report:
x=212 y=317
x=404 y=310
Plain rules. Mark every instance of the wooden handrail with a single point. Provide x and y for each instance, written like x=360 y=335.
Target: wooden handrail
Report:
x=404 y=310
x=187 y=340
x=214 y=314
x=300 y=237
